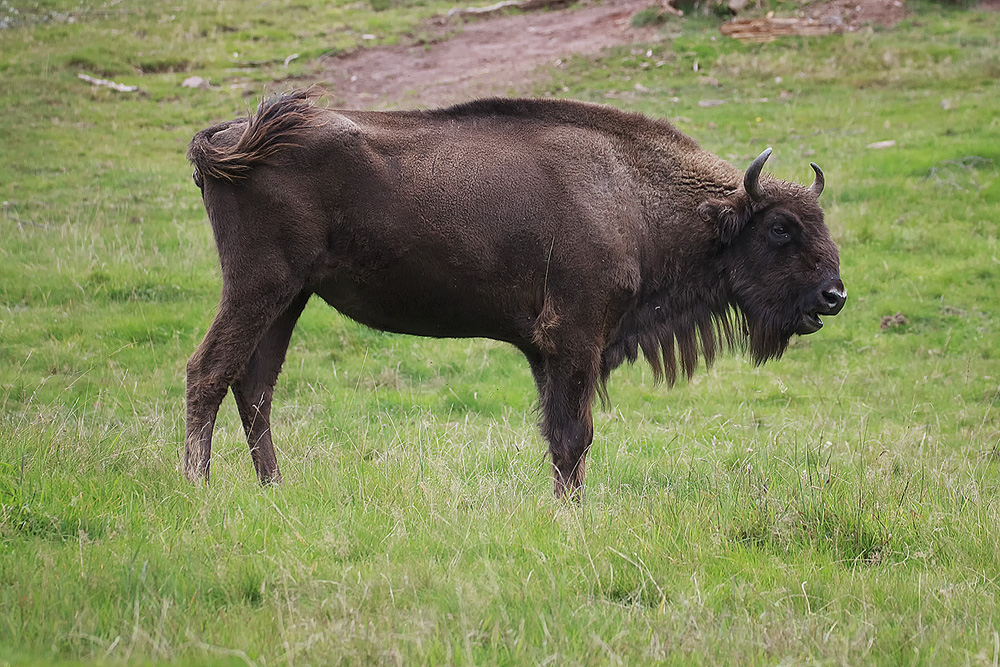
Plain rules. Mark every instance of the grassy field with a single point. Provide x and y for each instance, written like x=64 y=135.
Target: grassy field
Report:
x=840 y=506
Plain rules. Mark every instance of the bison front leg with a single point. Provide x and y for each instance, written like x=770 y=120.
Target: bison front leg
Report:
x=253 y=391
x=567 y=422
x=217 y=363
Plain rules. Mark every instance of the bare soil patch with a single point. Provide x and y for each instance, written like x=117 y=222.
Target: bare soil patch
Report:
x=855 y=14
x=828 y=18
x=486 y=57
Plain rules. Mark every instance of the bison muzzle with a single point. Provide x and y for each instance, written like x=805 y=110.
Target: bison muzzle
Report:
x=580 y=234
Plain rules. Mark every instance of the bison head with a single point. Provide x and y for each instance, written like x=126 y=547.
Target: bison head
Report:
x=781 y=268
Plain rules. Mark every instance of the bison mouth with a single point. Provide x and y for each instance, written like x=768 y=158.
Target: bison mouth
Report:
x=810 y=323
x=831 y=302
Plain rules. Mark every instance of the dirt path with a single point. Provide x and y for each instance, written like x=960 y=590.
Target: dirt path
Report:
x=487 y=57
x=500 y=56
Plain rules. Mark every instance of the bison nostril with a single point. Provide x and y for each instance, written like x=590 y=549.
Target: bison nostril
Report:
x=833 y=299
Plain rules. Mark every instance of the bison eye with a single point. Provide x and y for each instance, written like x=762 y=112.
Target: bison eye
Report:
x=779 y=234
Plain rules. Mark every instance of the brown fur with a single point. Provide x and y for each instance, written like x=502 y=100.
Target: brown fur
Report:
x=578 y=233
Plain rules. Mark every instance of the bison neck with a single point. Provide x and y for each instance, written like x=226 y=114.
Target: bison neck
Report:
x=685 y=308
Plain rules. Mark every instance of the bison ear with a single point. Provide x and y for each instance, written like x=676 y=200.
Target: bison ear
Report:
x=729 y=215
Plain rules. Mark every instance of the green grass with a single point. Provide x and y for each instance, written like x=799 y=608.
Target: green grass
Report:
x=839 y=506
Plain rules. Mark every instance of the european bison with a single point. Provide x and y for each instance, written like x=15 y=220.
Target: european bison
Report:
x=578 y=233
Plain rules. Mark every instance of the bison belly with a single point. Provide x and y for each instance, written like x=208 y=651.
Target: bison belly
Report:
x=443 y=273
x=407 y=297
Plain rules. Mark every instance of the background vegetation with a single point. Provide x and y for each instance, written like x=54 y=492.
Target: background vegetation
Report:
x=838 y=506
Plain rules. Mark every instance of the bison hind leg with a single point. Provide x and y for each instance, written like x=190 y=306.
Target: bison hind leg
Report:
x=221 y=360
x=254 y=391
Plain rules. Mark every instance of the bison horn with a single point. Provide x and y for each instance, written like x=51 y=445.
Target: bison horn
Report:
x=751 y=180
x=817 y=187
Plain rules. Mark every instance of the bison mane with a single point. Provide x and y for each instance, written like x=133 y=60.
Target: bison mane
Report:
x=672 y=340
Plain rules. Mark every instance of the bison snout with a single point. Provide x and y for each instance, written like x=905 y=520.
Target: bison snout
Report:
x=833 y=298
x=830 y=301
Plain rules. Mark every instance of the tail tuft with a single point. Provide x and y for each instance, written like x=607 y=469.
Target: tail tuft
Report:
x=278 y=123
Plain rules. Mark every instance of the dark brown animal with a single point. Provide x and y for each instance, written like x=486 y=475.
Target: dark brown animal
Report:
x=578 y=233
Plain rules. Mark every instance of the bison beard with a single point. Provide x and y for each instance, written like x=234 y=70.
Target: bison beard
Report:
x=578 y=233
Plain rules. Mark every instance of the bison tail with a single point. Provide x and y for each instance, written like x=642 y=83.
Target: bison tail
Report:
x=278 y=123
